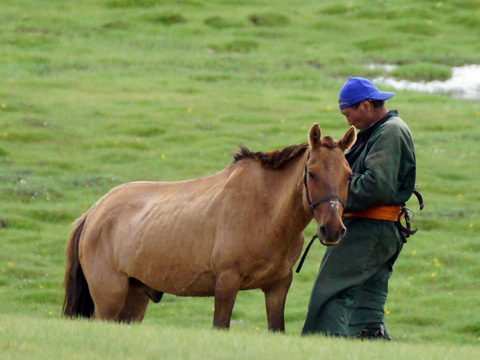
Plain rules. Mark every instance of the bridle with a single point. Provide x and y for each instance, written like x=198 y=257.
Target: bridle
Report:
x=313 y=205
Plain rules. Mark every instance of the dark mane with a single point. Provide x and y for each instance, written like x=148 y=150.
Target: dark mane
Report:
x=273 y=159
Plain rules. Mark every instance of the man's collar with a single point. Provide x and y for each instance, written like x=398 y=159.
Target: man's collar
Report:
x=387 y=116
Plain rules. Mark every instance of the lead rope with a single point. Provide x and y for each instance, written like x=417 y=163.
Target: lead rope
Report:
x=408 y=214
x=302 y=260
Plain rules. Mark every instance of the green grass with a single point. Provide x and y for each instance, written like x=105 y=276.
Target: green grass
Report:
x=98 y=93
x=24 y=337
x=423 y=72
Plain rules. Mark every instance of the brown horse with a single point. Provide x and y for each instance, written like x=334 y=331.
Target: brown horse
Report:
x=239 y=229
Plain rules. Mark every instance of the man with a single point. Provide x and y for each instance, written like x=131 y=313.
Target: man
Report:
x=349 y=295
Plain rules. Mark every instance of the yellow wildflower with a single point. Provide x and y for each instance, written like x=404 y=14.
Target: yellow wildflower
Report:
x=437 y=262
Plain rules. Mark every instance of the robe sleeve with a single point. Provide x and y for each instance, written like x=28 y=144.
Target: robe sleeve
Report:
x=378 y=184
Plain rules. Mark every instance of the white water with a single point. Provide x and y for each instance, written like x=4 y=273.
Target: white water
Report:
x=464 y=83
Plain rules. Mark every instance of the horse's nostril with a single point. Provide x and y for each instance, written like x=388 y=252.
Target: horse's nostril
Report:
x=322 y=231
x=343 y=231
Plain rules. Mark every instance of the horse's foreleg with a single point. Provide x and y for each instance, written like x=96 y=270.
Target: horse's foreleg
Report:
x=275 y=298
x=227 y=285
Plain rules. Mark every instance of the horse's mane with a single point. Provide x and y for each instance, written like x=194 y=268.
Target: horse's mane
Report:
x=279 y=158
x=274 y=159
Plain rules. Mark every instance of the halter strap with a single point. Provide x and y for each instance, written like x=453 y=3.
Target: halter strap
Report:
x=313 y=205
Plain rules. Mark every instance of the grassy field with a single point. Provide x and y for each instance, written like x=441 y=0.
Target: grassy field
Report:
x=98 y=93
x=27 y=338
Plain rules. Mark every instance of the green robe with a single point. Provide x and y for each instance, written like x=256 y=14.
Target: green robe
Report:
x=351 y=289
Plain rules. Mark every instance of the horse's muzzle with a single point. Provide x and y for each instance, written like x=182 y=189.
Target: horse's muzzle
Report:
x=330 y=238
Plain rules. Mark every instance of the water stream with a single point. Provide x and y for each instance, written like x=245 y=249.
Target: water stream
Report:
x=464 y=83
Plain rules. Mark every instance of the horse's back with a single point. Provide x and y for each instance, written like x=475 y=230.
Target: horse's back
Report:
x=176 y=236
x=161 y=233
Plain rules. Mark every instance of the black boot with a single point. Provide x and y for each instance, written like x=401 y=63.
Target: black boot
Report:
x=373 y=334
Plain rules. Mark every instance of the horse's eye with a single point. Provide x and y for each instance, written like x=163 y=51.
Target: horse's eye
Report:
x=311 y=175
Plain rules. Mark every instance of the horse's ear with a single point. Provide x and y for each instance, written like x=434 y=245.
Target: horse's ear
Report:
x=315 y=136
x=348 y=139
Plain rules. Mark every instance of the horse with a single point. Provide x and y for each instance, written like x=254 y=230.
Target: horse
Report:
x=239 y=229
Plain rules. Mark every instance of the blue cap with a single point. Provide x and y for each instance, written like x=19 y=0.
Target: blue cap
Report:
x=358 y=89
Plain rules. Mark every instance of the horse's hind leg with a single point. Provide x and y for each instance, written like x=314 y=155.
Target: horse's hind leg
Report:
x=109 y=292
x=135 y=306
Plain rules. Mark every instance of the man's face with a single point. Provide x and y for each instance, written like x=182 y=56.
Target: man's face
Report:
x=357 y=117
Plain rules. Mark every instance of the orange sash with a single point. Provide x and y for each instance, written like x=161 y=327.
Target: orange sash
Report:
x=380 y=212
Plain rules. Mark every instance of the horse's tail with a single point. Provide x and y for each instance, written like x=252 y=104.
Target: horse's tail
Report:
x=78 y=301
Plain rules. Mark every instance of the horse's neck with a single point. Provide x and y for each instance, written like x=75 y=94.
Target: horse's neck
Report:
x=288 y=195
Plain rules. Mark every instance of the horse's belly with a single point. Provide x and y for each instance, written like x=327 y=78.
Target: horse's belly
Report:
x=182 y=277
x=265 y=278
x=183 y=283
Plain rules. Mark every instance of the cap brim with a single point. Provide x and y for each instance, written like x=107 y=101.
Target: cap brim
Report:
x=383 y=95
